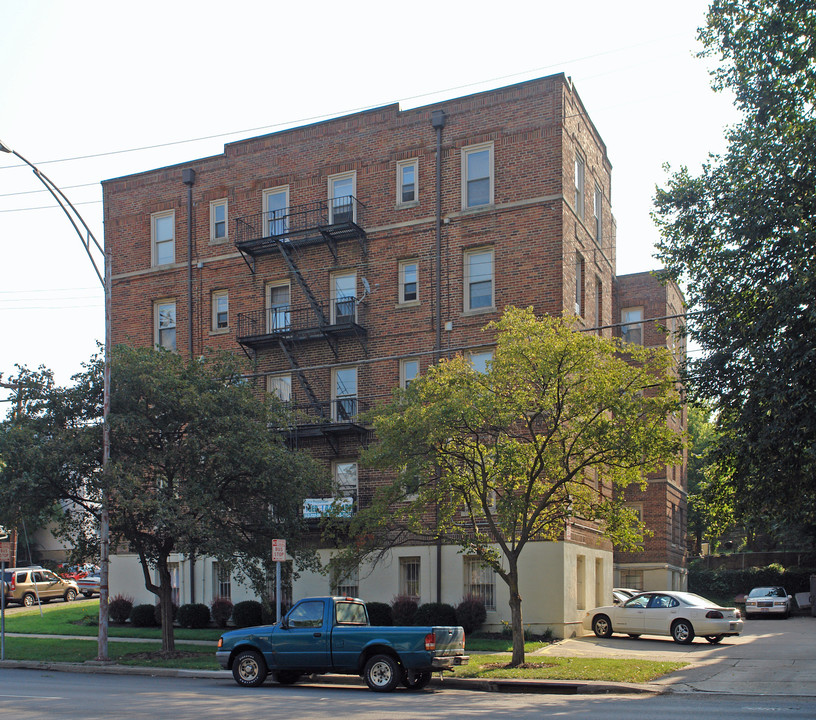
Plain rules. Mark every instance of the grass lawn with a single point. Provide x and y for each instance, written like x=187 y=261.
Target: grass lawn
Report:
x=561 y=668
x=61 y=618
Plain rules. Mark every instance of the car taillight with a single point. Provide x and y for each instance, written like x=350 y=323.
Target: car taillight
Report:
x=430 y=642
x=11 y=585
x=714 y=614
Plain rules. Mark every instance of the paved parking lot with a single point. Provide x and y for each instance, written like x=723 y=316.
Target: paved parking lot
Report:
x=770 y=657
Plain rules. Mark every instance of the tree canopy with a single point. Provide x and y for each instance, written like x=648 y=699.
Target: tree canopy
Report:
x=740 y=237
x=492 y=461
x=197 y=463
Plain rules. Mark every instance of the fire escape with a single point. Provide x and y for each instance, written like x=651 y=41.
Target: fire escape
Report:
x=291 y=232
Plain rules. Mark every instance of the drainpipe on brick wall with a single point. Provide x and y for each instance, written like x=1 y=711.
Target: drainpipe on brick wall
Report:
x=188 y=178
x=438 y=122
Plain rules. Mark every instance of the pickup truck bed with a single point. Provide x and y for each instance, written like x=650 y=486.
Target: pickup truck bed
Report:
x=332 y=635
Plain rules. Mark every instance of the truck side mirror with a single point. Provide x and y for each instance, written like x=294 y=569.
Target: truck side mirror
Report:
x=284 y=624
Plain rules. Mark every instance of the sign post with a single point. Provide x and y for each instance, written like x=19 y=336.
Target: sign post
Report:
x=278 y=556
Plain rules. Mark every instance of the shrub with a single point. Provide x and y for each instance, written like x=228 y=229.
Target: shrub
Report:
x=221 y=610
x=143 y=616
x=403 y=610
x=157 y=612
x=379 y=613
x=435 y=613
x=193 y=615
x=471 y=614
x=119 y=609
x=247 y=613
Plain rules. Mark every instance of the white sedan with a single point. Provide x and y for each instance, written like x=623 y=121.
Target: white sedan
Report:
x=681 y=615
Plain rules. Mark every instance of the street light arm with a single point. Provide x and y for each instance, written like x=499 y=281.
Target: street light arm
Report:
x=62 y=201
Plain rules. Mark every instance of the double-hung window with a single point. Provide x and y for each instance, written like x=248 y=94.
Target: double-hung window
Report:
x=280 y=385
x=163 y=231
x=598 y=215
x=164 y=324
x=278 y=310
x=480 y=582
x=276 y=210
x=408 y=281
x=632 y=327
x=479 y=279
x=580 y=171
x=341 y=198
x=345 y=479
x=218 y=221
x=409 y=580
x=409 y=371
x=407 y=191
x=579 y=285
x=220 y=310
x=345 y=394
x=344 y=298
x=477 y=175
x=479 y=360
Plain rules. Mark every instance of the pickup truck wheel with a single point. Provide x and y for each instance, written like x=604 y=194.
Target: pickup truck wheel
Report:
x=382 y=674
x=416 y=680
x=249 y=668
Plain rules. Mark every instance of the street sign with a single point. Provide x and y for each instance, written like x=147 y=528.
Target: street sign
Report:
x=5 y=552
x=279 y=551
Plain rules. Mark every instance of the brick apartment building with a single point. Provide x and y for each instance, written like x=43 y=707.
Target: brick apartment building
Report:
x=344 y=257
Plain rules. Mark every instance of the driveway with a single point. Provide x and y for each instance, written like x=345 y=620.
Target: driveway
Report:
x=771 y=657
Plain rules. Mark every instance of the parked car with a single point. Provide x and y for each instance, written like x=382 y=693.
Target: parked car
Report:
x=680 y=615
x=89 y=585
x=621 y=595
x=27 y=585
x=768 y=601
x=333 y=635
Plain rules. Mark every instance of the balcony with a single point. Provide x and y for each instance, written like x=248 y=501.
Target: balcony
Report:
x=329 y=222
x=344 y=317
x=327 y=421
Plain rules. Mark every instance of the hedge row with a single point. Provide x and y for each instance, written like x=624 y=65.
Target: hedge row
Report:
x=470 y=613
x=724 y=583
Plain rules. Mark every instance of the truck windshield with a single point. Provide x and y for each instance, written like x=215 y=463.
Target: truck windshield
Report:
x=347 y=613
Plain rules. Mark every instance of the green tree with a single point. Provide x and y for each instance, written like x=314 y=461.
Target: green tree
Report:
x=559 y=422
x=740 y=237
x=196 y=465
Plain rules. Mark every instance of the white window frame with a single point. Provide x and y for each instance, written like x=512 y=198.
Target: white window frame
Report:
x=347 y=299
x=479 y=581
x=466 y=154
x=222 y=582
x=631 y=325
x=280 y=385
x=154 y=239
x=403 y=265
x=215 y=205
x=157 y=310
x=331 y=180
x=346 y=585
x=284 y=221
x=338 y=396
x=403 y=165
x=407 y=376
x=410 y=577
x=217 y=297
x=468 y=254
x=342 y=484
x=580 y=185
x=579 y=285
x=281 y=319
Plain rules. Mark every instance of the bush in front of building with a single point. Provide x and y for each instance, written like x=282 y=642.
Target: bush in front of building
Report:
x=143 y=616
x=471 y=614
x=221 y=611
x=403 y=610
x=247 y=613
x=193 y=615
x=379 y=613
x=435 y=613
x=119 y=609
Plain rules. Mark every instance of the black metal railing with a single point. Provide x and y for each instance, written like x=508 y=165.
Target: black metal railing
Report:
x=337 y=317
x=321 y=216
x=332 y=412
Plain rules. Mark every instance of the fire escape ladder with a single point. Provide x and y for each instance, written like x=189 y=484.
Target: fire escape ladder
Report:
x=286 y=252
x=314 y=401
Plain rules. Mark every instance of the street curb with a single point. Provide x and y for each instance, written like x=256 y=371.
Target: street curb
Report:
x=474 y=684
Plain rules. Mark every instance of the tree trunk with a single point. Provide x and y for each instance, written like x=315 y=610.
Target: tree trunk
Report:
x=166 y=602
x=515 y=616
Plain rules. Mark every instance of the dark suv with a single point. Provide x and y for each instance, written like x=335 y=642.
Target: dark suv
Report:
x=27 y=585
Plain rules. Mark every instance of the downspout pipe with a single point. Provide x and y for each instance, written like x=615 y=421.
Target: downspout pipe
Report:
x=438 y=122
x=188 y=178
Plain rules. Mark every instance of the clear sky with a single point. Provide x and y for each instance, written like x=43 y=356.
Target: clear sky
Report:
x=83 y=83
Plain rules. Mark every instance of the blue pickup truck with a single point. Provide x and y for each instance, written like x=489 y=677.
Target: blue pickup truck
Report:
x=332 y=635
